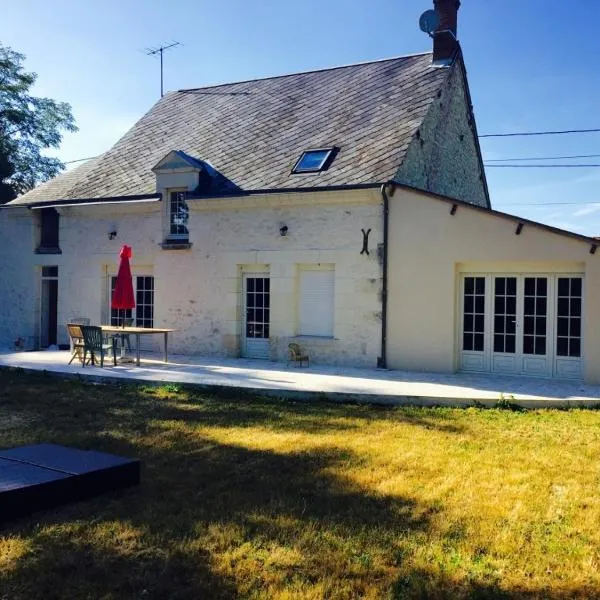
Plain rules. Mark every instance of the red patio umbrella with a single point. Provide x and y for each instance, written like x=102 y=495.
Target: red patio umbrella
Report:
x=123 y=296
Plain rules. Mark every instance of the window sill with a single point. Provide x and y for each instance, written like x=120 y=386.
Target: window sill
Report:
x=176 y=245
x=314 y=339
x=44 y=250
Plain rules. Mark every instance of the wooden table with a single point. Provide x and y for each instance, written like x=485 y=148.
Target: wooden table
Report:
x=138 y=331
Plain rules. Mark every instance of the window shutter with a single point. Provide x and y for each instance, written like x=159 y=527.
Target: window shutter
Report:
x=316 y=303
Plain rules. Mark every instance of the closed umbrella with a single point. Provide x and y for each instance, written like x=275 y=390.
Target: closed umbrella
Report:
x=123 y=297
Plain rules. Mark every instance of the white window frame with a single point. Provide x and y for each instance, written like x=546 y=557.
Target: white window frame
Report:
x=170 y=224
x=133 y=312
x=305 y=327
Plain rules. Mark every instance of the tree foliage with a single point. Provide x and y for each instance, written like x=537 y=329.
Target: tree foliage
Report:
x=28 y=126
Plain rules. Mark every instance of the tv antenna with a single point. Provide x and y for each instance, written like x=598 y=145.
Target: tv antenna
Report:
x=160 y=50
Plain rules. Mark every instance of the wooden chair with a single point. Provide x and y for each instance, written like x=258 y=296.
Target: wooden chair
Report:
x=93 y=342
x=76 y=337
x=297 y=356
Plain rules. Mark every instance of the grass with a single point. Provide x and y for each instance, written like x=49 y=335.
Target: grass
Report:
x=253 y=498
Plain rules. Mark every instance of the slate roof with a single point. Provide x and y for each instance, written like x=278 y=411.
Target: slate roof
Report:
x=253 y=132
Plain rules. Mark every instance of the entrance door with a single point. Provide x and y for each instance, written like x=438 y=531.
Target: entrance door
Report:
x=49 y=307
x=257 y=303
x=522 y=324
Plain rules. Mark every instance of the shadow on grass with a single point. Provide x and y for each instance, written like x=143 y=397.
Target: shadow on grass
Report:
x=213 y=520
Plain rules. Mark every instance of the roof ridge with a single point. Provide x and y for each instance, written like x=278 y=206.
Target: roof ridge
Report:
x=358 y=64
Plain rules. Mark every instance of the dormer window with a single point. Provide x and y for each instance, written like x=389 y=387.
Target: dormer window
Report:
x=313 y=161
x=178 y=216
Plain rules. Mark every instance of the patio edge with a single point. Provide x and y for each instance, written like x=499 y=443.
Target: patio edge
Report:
x=507 y=401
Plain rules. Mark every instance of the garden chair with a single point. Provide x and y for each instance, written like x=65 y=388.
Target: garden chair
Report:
x=76 y=338
x=93 y=342
x=297 y=356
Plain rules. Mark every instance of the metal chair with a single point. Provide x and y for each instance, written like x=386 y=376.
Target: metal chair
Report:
x=93 y=342
x=297 y=356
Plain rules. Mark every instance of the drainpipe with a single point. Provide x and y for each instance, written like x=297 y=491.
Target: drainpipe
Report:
x=382 y=360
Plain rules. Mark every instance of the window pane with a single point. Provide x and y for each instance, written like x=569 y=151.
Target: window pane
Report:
x=500 y=287
x=542 y=286
x=511 y=286
x=575 y=307
x=540 y=346
x=563 y=286
x=479 y=339
x=469 y=304
x=529 y=286
x=479 y=323
x=469 y=322
x=511 y=305
x=469 y=285
x=576 y=286
x=510 y=344
x=499 y=306
x=562 y=346
x=540 y=306
x=467 y=341
x=562 y=326
x=528 y=344
x=528 y=326
x=498 y=343
x=498 y=324
x=480 y=285
x=574 y=347
x=563 y=307
x=575 y=327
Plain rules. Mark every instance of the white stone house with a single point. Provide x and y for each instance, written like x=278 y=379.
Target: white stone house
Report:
x=345 y=209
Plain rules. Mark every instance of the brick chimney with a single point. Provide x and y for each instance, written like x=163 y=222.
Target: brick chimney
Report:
x=444 y=38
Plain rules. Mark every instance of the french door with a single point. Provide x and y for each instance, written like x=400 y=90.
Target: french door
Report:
x=256 y=316
x=525 y=324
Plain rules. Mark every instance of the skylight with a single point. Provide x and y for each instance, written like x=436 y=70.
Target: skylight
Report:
x=313 y=161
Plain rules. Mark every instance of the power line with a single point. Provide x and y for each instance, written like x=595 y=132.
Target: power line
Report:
x=68 y=162
x=542 y=166
x=489 y=160
x=582 y=203
x=523 y=133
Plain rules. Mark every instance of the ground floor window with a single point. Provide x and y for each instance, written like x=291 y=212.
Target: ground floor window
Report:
x=143 y=314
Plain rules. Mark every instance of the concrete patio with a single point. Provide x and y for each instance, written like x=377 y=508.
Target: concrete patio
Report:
x=319 y=382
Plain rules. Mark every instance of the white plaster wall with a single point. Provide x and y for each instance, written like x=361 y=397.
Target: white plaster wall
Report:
x=429 y=248
x=198 y=291
x=19 y=277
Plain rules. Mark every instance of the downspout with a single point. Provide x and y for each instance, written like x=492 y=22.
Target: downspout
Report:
x=382 y=360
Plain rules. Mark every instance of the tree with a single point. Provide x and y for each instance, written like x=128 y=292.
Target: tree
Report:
x=28 y=126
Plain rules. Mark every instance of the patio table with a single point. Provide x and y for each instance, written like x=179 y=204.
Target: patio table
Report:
x=139 y=331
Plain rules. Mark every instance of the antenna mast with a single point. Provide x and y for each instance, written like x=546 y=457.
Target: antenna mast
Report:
x=160 y=50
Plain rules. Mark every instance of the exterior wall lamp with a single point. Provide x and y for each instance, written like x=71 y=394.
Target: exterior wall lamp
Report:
x=283 y=230
x=112 y=234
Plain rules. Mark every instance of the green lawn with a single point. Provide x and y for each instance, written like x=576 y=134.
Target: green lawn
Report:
x=254 y=498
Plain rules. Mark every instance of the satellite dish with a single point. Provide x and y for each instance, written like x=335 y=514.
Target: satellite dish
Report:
x=429 y=21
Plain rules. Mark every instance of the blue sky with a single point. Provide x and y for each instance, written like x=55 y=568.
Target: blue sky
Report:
x=532 y=65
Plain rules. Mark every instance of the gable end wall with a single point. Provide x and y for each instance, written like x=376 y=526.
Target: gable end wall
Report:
x=443 y=157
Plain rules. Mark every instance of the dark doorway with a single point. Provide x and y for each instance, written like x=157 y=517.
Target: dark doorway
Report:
x=49 y=308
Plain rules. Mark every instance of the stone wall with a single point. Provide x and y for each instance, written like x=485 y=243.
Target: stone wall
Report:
x=443 y=156
x=198 y=291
